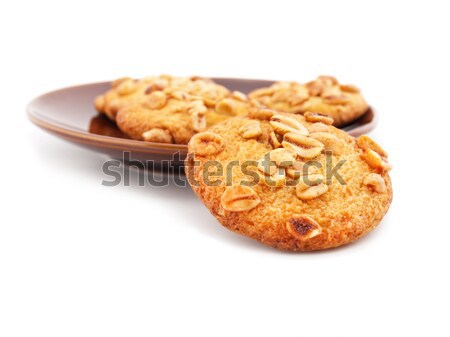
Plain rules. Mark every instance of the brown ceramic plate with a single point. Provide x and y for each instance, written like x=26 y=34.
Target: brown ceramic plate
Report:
x=69 y=113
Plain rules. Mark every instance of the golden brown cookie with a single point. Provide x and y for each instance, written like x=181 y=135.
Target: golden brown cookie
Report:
x=176 y=113
x=297 y=183
x=344 y=103
x=126 y=91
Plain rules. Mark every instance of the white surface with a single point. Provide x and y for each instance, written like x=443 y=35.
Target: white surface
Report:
x=81 y=259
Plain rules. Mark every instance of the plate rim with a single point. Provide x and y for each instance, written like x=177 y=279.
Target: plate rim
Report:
x=85 y=136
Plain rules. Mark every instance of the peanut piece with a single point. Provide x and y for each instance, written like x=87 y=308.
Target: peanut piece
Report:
x=126 y=87
x=239 y=96
x=239 y=199
x=303 y=227
x=117 y=82
x=261 y=113
x=305 y=147
x=226 y=107
x=349 y=88
x=330 y=142
x=375 y=182
x=206 y=144
x=310 y=187
x=366 y=143
x=316 y=117
x=282 y=157
x=376 y=161
x=251 y=129
x=336 y=99
x=318 y=127
x=156 y=100
x=157 y=135
x=275 y=140
x=298 y=169
x=266 y=167
x=276 y=180
x=282 y=124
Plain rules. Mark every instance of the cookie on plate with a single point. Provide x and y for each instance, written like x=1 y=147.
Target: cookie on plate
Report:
x=292 y=182
x=126 y=91
x=325 y=95
x=176 y=113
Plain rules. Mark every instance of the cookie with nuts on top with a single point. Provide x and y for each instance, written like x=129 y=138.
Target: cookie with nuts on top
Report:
x=169 y=109
x=292 y=182
x=126 y=91
x=325 y=95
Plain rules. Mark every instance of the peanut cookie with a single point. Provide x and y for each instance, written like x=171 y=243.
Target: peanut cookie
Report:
x=344 y=103
x=176 y=113
x=126 y=91
x=289 y=181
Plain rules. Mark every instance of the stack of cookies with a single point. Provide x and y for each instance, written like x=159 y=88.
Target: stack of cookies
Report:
x=271 y=165
x=168 y=109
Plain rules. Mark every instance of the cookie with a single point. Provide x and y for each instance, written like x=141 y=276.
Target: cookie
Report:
x=176 y=113
x=292 y=182
x=126 y=91
x=344 y=103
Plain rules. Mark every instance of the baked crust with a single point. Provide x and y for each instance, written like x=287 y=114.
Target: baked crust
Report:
x=277 y=216
x=325 y=95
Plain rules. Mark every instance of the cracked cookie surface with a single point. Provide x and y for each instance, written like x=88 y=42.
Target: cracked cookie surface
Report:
x=280 y=193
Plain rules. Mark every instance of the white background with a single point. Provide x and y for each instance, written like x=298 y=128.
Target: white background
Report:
x=81 y=259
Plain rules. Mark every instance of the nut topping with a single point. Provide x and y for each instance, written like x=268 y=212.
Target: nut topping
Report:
x=239 y=96
x=375 y=182
x=276 y=180
x=156 y=100
x=275 y=140
x=303 y=227
x=263 y=92
x=119 y=81
x=282 y=157
x=157 y=135
x=349 y=88
x=327 y=80
x=226 y=107
x=296 y=99
x=299 y=169
x=239 y=199
x=336 y=99
x=315 y=88
x=374 y=154
x=266 y=167
x=179 y=95
x=158 y=84
x=261 y=113
x=251 y=129
x=282 y=124
x=197 y=110
x=367 y=143
x=206 y=144
x=197 y=106
x=330 y=142
x=305 y=147
x=310 y=187
x=126 y=87
x=198 y=121
x=376 y=161
x=316 y=117
x=318 y=127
